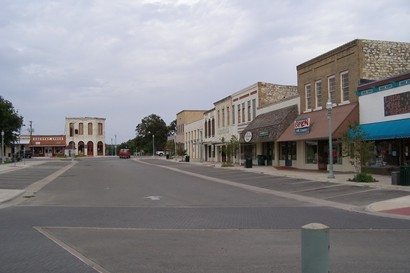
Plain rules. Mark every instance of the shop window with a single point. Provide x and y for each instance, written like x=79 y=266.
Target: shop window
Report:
x=311 y=152
x=288 y=151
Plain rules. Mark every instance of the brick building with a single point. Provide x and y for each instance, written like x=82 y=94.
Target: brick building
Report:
x=335 y=76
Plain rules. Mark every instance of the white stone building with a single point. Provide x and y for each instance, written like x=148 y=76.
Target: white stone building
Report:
x=86 y=135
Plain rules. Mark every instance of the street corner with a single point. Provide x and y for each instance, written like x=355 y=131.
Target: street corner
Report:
x=398 y=206
x=7 y=194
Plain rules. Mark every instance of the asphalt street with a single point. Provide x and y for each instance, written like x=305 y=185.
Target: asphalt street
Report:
x=112 y=215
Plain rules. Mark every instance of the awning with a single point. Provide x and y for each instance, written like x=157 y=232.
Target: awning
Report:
x=342 y=117
x=269 y=126
x=387 y=129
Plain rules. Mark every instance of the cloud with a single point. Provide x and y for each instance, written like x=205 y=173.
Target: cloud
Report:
x=124 y=60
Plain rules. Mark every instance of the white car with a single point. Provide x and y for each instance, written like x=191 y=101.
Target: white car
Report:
x=160 y=153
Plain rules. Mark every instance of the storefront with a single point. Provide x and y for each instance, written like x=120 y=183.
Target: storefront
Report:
x=385 y=119
x=305 y=143
x=48 y=145
x=258 y=139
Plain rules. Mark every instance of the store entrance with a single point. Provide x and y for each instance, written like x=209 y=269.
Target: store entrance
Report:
x=323 y=152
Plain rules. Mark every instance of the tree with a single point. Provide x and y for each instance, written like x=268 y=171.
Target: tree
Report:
x=10 y=121
x=231 y=149
x=172 y=128
x=150 y=126
x=356 y=147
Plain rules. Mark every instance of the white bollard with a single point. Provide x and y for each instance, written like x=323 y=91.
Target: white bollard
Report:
x=315 y=248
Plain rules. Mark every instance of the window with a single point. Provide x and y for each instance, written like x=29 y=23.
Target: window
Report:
x=100 y=129
x=233 y=114
x=239 y=113
x=71 y=129
x=213 y=127
x=243 y=112
x=249 y=111
x=254 y=108
x=332 y=88
x=308 y=95
x=206 y=129
x=223 y=117
x=218 y=117
x=344 y=81
x=318 y=87
x=227 y=116
x=90 y=128
x=311 y=152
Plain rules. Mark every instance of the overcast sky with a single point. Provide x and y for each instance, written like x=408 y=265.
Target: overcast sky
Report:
x=126 y=59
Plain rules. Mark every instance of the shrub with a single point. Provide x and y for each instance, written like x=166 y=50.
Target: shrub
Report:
x=227 y=164
x=363 y=177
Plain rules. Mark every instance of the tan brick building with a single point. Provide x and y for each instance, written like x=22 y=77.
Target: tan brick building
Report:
x=336 y=75
x=340 y=71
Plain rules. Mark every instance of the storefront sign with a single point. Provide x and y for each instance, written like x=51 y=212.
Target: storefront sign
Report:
x=397 y=104
x=263 y=134
x=248 y=136
x=302 y=126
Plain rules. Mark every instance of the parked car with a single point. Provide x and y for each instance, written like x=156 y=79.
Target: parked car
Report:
x=160 y=153
x=25 y=154
x=124 y=153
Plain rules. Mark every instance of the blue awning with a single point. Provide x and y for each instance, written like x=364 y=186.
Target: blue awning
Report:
x=387 y=129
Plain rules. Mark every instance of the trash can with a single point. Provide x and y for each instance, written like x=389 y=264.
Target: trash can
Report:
x=167 y=156
x=395 y=178
x=405 y=175
x=248 y=163
x=261 y=160
x=187 y=158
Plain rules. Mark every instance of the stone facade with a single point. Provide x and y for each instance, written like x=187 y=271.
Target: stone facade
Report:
x=382 y=59
x=86 y=135
x=273 y=93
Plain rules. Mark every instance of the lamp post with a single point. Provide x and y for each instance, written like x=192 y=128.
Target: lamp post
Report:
x=2 y=147
x=329 y=107
x=153 y=144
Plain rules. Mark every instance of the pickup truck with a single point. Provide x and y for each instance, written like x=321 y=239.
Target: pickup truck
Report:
x=124 y=153
x=160 y=153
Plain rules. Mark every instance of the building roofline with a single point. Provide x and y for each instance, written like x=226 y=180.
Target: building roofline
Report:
x=400 y=77
x=191 y=111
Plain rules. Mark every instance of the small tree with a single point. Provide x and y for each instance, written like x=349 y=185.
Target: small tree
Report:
x=356 y=147
x=232 y=149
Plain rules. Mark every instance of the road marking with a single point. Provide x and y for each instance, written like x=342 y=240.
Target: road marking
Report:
x=153 y=197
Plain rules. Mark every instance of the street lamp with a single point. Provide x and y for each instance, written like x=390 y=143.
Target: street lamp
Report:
x=2 y=147
x=153 y=145
x=329 y=107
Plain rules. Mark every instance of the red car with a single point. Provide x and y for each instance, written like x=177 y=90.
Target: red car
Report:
x=124 y=153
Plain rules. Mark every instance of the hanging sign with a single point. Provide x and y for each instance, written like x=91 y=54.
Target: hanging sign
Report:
x=302 y=126
x=248 y=136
